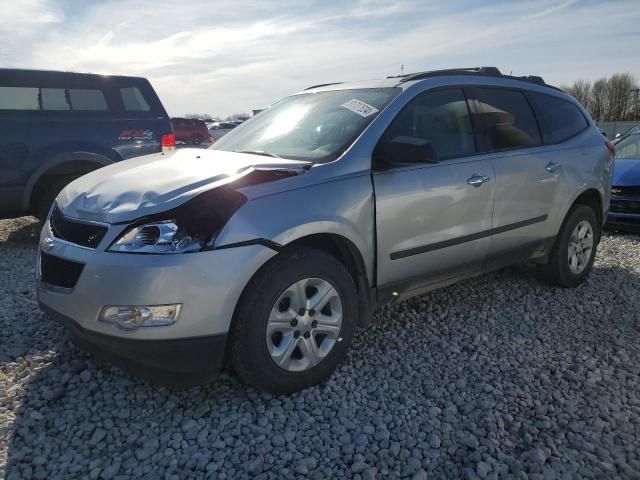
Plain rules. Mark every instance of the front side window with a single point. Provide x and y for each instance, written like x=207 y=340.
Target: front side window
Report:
x=316 y=127
x=561 y=119
x=504 y=120
x=133 y=100
x=19 y=98
x=440 y=117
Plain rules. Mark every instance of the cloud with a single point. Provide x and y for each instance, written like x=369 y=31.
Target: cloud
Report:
x=229 y=56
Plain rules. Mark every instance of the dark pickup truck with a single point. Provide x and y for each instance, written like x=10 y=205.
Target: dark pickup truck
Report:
x=57 y=126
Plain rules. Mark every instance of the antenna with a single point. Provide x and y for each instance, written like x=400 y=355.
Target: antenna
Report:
x=402 y=69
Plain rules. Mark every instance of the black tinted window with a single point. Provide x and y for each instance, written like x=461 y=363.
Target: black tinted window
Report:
x=133 y=100
x=19 y=98
x=442 y=118
x=54 y=99
x=560 y=119
x=504 y=120
x=85 y=99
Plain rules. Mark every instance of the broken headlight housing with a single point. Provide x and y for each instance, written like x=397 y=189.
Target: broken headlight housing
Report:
x=192 y=227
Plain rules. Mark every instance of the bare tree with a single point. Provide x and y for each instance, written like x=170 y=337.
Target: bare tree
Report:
x=581 y=91
x=599 y=100
x=620 y=98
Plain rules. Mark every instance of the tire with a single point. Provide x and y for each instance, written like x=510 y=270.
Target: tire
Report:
x=196 y=139
x=48 y=193
x=558 y=270
x=272 y=289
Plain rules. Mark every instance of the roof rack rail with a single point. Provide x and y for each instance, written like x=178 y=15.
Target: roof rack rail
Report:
x=322 y=85
x=449 y=71
x=485 y=71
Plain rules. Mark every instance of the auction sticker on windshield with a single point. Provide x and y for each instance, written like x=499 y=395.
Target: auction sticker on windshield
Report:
x=361 y=108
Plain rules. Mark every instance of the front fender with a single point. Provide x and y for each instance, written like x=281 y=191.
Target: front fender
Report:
x=342 y=207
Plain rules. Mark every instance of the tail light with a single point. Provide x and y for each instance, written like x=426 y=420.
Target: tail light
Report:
x=168 y=142
x=611 y=147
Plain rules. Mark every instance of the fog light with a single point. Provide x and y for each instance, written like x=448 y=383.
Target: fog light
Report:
x=132 y=317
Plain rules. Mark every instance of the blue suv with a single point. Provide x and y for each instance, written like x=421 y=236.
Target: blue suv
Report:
x=57 y=126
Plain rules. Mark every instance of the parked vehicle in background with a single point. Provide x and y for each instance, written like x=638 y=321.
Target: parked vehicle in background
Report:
x=625 y=193
x=57 y=126
x=220 y=129
x=271 y=246
x=191 y=131
x=632 y=131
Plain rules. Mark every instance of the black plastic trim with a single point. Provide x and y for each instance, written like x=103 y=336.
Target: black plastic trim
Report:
x=467 y=238
x=256 y=241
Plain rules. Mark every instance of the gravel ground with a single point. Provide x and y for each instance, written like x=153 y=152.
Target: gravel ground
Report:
x=497 y=377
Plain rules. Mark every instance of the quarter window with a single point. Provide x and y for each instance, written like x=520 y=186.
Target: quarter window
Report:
x=85 y=99
x=133 y=100
x=19 y=98
x=561 y=119
x=504 y=120
x=442 y=118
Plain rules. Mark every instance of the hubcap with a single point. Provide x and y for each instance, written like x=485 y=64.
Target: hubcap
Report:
x=580 y=247
x=304 y=324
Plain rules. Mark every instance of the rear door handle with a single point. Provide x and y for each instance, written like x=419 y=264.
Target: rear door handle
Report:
x=552 y=167
x=477 y=180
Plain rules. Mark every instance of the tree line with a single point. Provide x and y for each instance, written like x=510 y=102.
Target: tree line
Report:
x=608 y=99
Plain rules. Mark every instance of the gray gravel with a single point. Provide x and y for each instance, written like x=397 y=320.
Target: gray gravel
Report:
x=497 y=377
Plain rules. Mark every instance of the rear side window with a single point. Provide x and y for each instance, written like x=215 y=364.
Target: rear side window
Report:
x=85 y=99
x=561 y=120
x=19 y=98
x=442 y=118
x=504 y=120
x=133 y=100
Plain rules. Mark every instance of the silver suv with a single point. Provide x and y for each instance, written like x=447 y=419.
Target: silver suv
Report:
x=268 y=249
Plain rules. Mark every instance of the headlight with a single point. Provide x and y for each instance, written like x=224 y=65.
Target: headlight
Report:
x=158 y=237
x=192 y=227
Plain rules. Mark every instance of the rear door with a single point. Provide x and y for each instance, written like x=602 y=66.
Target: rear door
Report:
x=433 y=221
x=527 y=181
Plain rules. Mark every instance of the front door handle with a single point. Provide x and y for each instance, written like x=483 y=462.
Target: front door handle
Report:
x=477 y=180
x=552 y=167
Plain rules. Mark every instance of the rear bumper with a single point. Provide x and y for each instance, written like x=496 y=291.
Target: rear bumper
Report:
x=176 y=362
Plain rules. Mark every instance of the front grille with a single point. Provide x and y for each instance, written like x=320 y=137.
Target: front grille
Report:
x=625 y=206
x=84 y=234
x=625 y=190
x=59 y=272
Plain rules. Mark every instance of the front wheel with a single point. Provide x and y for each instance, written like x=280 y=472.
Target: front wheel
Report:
x=574 y=250
x=294 y=322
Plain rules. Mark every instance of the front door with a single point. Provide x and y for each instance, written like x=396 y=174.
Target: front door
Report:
x=433 y=220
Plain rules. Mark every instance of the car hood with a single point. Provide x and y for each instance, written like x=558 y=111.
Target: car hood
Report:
x=154 y=183
x=626 y=172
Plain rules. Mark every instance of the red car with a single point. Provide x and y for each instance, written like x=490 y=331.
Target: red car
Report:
x=191 y=131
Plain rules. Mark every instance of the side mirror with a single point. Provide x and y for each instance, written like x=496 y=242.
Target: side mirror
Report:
x=406 y=150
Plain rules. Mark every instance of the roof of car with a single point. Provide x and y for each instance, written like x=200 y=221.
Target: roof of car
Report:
x=18 y=72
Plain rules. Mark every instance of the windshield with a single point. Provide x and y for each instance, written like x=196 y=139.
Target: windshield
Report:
x=629 y=147
x=316 y=127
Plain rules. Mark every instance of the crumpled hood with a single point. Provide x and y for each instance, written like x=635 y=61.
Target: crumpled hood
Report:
x=154 y=183
x=626 y=172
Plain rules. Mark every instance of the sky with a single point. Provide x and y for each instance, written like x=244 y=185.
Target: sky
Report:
x=230 y=56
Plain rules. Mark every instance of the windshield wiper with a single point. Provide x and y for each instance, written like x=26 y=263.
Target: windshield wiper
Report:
x=258 y=152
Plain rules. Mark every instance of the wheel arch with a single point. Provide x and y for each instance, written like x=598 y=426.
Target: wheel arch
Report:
x=72 y=164
x=590 y=197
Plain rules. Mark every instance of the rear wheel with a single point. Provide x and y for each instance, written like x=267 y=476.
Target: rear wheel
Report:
x=294 y=322
x=574 y=250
